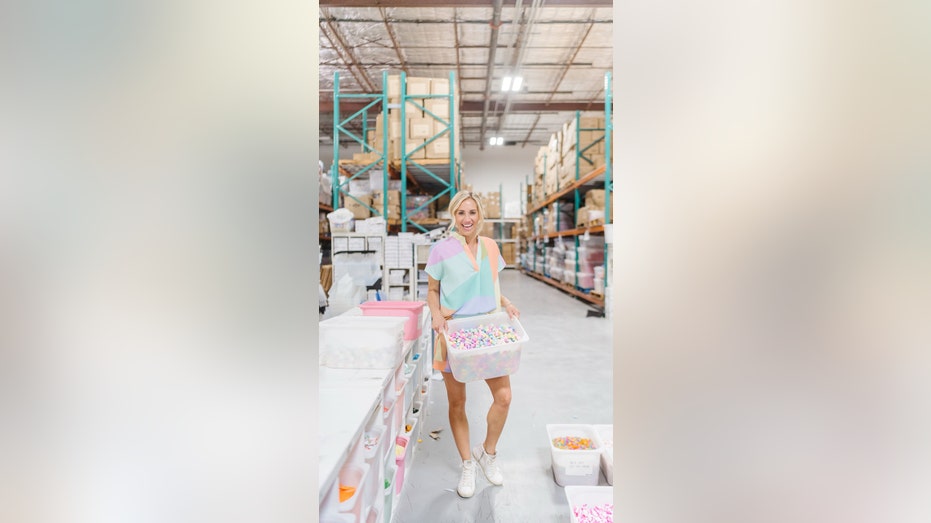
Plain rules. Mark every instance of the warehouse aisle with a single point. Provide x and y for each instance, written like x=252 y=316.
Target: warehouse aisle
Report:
x=565 y=376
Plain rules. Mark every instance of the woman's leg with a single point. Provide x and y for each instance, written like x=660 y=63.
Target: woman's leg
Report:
x=498 y=412
x=458 y=422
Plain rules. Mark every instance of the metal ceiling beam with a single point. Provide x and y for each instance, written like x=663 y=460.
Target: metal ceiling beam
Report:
x=458 y=47
x=489 y=74
x=340 y=54
x=537 y=65
x=336 y=38
x=588 y=106
x=394 y=42
x=477 y=106
x=456 y=3
x=438 y=21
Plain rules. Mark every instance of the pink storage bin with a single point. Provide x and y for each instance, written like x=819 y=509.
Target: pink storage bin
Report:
x=401 y=461
x=410 y=309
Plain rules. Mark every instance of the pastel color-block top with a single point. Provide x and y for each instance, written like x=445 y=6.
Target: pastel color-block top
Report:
x=468 y=286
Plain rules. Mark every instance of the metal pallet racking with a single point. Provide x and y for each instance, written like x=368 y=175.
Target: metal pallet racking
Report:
x=599 y=177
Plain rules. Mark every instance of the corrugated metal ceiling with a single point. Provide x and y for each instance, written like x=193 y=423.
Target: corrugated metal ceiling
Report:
x=566 y=52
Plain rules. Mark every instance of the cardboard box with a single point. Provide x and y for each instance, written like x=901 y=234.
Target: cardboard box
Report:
x=595 y=199
x=509 y=253
x=414 y=143
x=438 y=107
x=394 y=197
x=419 y=127
x=365 y=158
x=394 y=88
x=411 y=110
x=359 y=210
x=394 y=124
x=488 y=229
x=394 y=210
x=439 y=86
x=418 y=85
x=439 y=148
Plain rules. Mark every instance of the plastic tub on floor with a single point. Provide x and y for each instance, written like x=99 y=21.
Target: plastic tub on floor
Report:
x=486 y=362
x=575 y=467
x=410 y=310
x=589 y=498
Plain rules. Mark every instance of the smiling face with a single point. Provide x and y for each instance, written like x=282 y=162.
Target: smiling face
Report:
x=467 y=218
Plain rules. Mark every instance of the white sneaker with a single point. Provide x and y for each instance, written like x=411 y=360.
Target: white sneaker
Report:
x=467 y=479
x=489 y=465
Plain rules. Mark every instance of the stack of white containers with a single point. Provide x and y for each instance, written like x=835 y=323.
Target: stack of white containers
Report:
x=392 y=350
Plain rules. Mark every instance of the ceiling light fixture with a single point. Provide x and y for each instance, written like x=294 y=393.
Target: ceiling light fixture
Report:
x=496 y=140
x=506 y=83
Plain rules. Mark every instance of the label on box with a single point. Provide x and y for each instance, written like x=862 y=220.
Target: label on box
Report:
x=579 y=467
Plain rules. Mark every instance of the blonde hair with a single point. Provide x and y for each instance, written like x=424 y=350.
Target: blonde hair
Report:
x=456 y=202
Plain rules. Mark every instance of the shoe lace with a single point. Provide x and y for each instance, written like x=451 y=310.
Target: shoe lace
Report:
x=468 y=474
x=490 y=464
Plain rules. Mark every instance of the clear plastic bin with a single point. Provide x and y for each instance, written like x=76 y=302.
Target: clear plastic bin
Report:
x=575 y=467
x=591 y=496
x=586 y=280
x=486 y=362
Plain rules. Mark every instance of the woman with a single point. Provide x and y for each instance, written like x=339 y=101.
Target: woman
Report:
x=463 y=281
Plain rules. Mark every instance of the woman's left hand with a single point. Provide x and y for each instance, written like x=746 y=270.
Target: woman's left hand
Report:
x=512 y=310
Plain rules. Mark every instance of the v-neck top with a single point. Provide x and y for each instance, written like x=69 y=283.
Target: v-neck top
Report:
x=468 y=284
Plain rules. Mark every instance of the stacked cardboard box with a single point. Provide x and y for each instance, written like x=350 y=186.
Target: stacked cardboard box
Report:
x=358 y=205
x=394 y=204
x=590 y=137
x=491 y=202
x=509 y=253
x=420 y=125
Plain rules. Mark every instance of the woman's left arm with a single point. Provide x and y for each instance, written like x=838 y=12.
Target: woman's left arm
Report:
x=510 y=307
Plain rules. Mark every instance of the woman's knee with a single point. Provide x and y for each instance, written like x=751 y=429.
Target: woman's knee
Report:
x=457 y=404
x=502 y=397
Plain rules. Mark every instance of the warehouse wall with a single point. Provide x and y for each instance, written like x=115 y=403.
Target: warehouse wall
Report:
x=507 y=166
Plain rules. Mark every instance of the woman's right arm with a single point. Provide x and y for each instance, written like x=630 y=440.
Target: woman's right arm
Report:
x=433 y=302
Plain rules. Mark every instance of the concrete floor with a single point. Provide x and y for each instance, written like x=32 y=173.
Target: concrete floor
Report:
x=564 y=377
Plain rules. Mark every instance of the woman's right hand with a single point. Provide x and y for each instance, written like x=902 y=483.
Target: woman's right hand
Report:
x=439 y=324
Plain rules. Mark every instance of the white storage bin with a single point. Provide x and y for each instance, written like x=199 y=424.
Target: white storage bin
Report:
x=575 y=467
x=591 y=497
x=353 y=475
x=605 y=435
x=586 y=280
x=568 y=276
x=362 y=342
x=599 y=285
x=486 y=362
x=600 y=271
x=556 y=273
